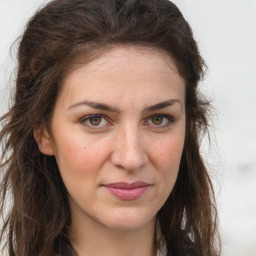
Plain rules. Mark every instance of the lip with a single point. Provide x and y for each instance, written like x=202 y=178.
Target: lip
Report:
x=127 y=191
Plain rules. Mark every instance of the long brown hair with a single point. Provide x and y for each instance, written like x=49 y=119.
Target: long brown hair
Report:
x=58 y=36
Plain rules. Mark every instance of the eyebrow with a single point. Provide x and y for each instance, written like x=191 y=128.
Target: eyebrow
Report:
x=103 y=106
x=162 y=105
x=95 y=105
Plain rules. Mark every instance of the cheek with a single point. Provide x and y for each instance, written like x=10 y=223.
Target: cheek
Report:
x=167 y=158
x=168 y=153
x=78 y=157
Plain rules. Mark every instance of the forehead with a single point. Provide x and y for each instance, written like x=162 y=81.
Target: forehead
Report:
x=152 y=58
x=124 y=71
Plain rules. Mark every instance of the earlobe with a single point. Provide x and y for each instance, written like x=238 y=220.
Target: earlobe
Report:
x=43 y=141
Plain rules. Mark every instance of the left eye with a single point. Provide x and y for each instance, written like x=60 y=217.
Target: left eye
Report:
x=157 y=120
x=94 y=120
x=160 y=120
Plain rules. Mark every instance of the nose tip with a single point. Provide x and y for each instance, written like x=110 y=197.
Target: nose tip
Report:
x=129 y=153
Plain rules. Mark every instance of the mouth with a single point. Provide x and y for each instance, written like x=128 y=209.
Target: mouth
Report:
x=127 y=191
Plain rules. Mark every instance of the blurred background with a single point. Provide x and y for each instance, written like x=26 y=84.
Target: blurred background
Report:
x=226 y=34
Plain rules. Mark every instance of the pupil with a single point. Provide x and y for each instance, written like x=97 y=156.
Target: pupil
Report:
x=95 y=120
x=157 y=120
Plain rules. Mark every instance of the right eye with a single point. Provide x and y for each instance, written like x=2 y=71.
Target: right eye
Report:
x=96 y=121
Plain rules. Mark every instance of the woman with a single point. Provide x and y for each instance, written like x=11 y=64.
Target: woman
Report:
x=101 y=147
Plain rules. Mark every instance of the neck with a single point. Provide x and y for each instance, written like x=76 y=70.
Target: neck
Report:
x=92 y=239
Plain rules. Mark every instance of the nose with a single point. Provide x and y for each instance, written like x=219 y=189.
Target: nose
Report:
x=129 y=152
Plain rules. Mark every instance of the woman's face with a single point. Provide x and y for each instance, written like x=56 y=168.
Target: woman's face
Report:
x=118 y=132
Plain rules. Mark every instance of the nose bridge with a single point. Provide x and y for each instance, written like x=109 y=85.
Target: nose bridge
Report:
x=129 y=152
x=131 y=139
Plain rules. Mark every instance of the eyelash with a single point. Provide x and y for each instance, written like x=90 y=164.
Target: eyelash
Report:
x=87 y=118
x=170 y=121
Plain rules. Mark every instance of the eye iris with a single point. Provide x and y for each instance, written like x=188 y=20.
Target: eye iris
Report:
x=96 y=120
x=157 y=120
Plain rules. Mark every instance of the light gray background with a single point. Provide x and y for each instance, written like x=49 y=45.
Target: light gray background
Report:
x=226 y=34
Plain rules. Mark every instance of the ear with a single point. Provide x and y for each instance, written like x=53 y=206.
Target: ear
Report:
x=43 y=141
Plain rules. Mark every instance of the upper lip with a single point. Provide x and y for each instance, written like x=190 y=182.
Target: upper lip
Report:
x=127 y=185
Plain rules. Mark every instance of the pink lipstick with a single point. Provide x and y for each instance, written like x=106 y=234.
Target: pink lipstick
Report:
x=127 y=191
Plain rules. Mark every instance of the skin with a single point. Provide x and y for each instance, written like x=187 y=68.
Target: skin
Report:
x=131 y=141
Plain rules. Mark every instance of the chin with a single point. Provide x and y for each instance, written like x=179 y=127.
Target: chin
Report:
x=128 y=220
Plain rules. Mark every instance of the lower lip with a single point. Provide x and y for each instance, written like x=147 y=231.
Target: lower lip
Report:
x=127 y=193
